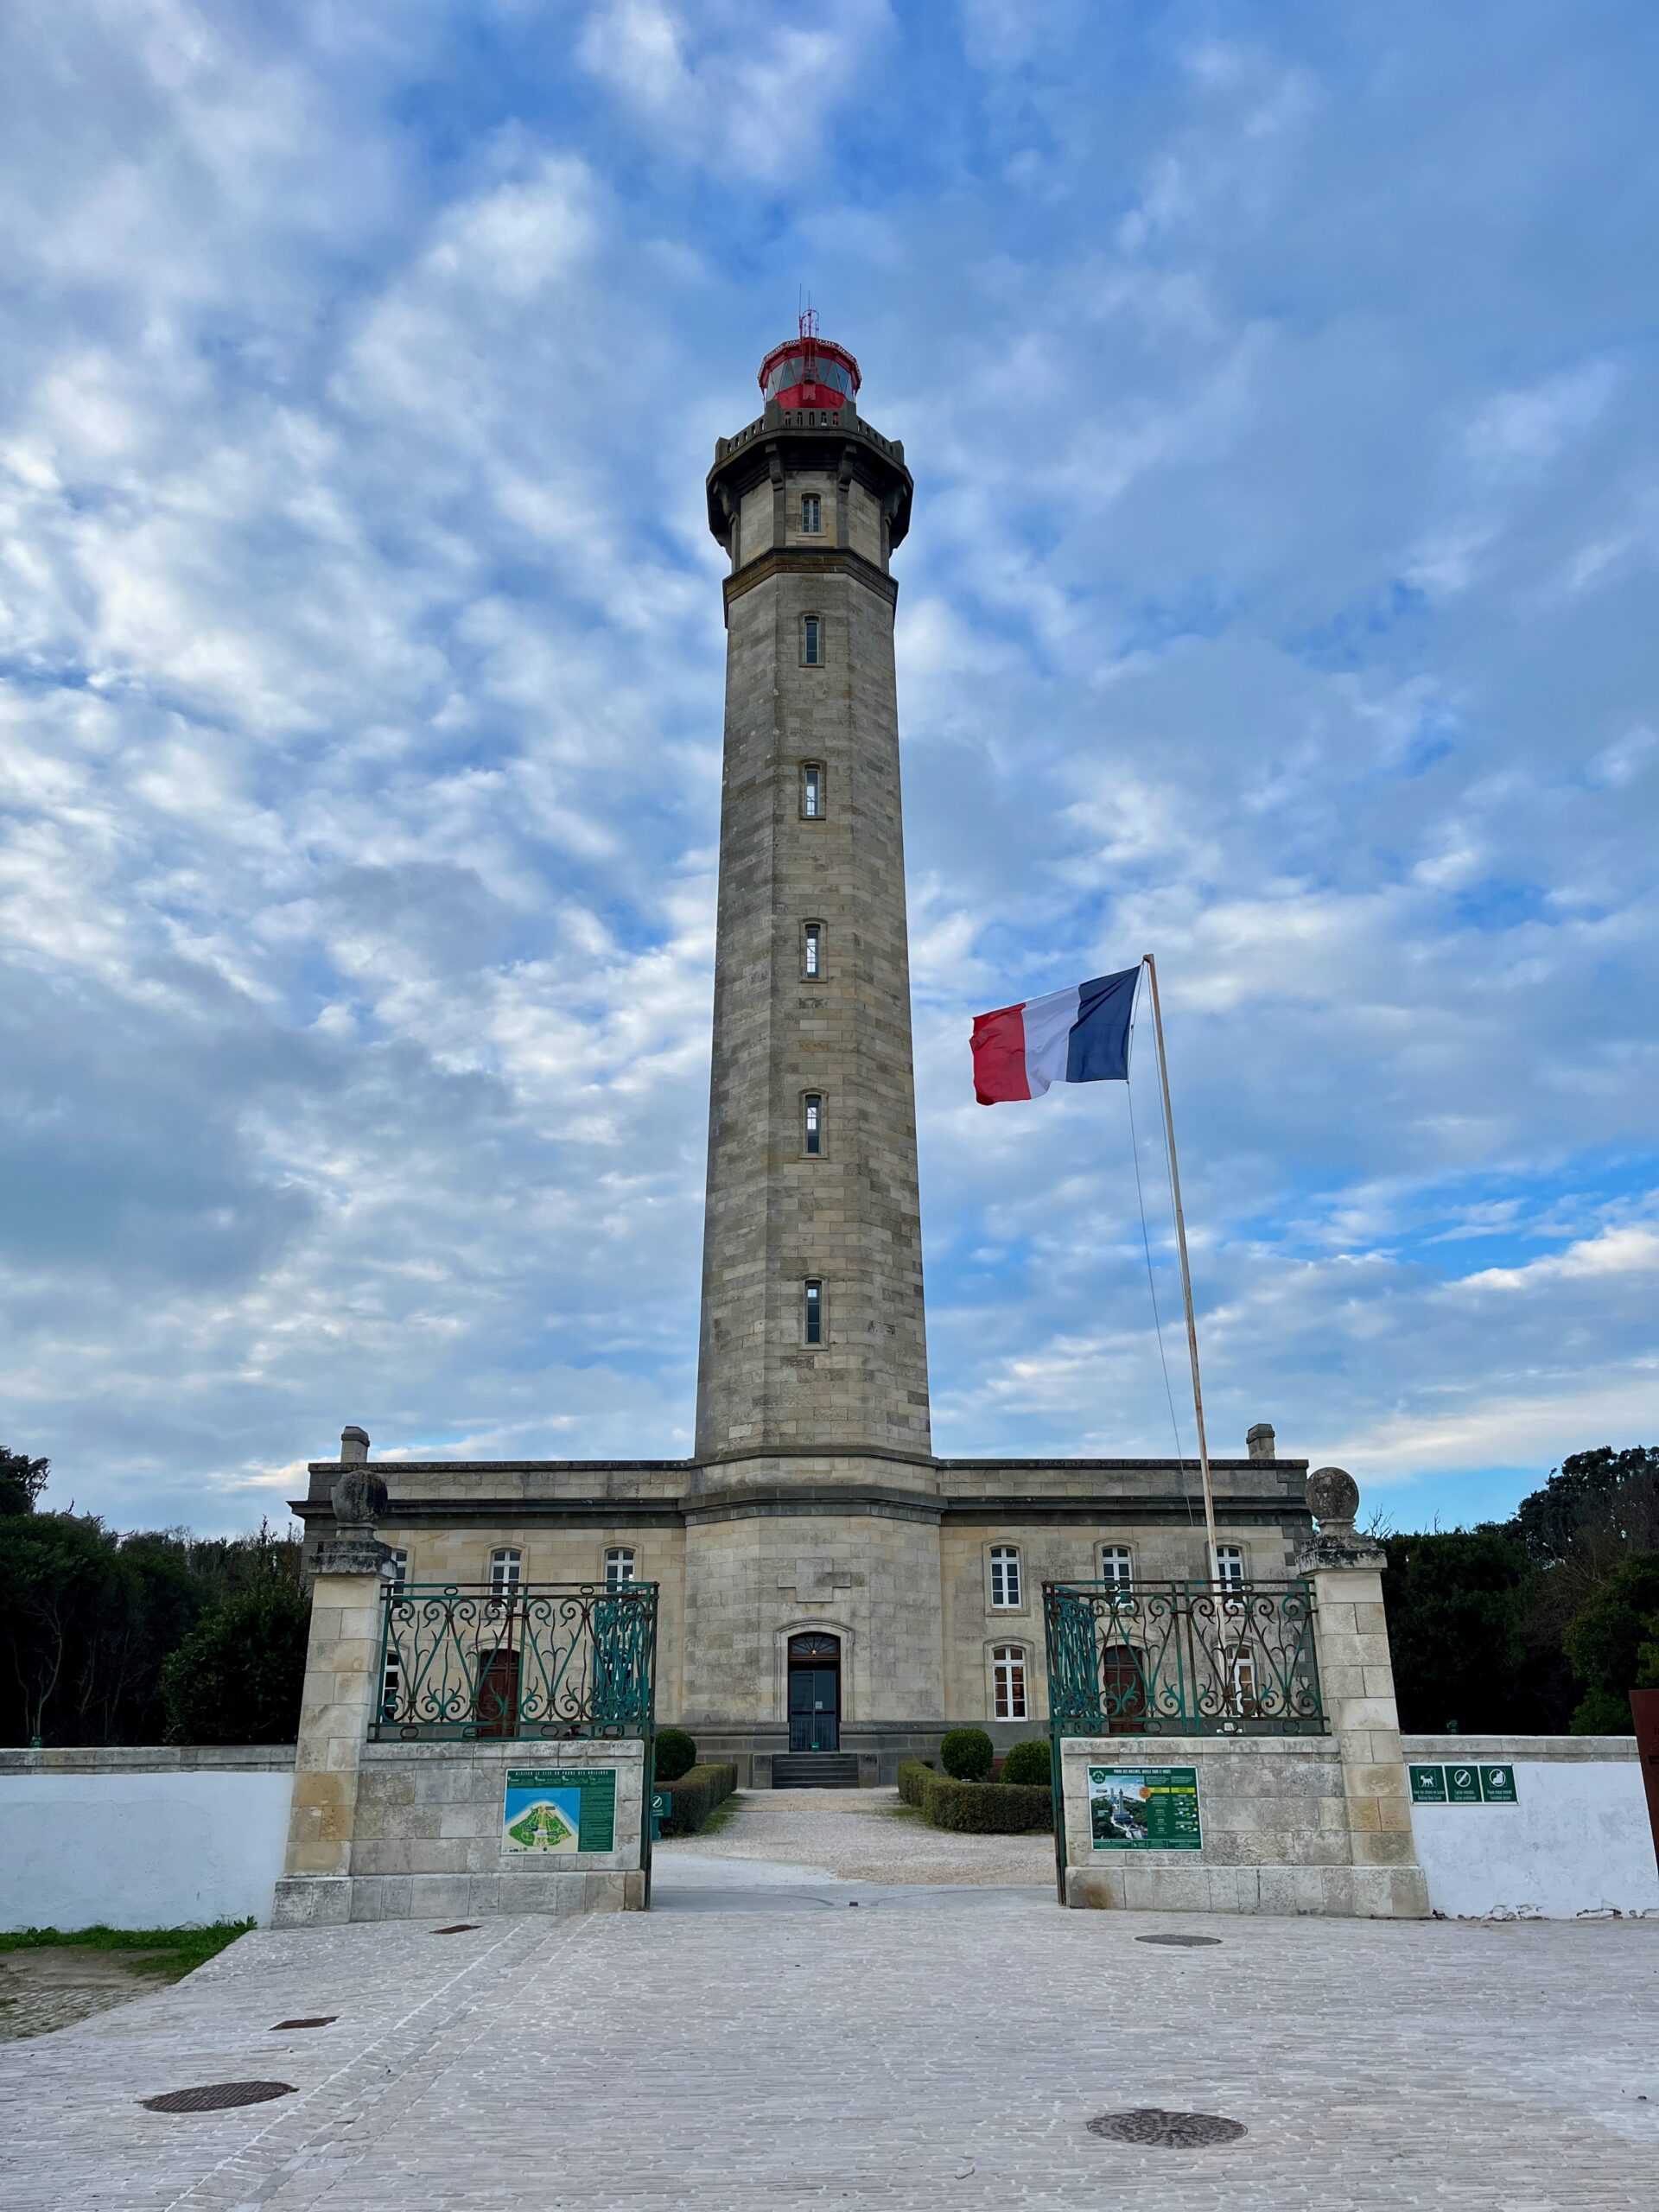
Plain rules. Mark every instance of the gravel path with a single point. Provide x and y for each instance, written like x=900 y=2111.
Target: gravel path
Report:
x=858 y=1835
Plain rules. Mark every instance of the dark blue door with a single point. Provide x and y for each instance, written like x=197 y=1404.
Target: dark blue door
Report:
x=814 y=1693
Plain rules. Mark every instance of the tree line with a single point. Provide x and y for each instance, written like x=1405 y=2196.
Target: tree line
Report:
x=1540 y=1623
x=153 y=1637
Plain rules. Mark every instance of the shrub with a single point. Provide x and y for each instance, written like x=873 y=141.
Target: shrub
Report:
x=967 y=1753
x=913 y=1773
x=1027 y=1764
x=985 y=1808
x=677 y=1754
x=695 y=1794
x=239 y=1676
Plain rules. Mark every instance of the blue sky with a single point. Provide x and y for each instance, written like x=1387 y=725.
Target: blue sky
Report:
x=1279 y=382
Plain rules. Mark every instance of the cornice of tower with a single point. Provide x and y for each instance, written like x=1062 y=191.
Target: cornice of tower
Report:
x=799 y=560
x=820 y=441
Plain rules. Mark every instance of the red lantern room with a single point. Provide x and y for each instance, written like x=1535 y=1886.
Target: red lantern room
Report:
x=809 y=372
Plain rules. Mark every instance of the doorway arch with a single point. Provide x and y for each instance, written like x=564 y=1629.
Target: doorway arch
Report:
x=814 y=1665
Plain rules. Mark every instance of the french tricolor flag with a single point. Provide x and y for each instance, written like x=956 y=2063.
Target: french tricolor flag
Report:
x=1077 y=1036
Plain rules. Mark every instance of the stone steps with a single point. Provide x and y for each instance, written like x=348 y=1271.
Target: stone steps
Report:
x=815 y=1771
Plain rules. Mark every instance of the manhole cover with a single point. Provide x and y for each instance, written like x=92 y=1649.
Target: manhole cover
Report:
x=318 y=2020
x=1184 y=1942
x=461 y=1928
x=214 y=2096
x=1169 y=2131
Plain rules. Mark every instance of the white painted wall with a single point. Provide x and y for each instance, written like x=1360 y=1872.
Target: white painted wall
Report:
x=137 y=1850
x=1576 y=1840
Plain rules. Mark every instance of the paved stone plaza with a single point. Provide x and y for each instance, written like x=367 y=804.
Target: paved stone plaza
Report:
x=769 y=2039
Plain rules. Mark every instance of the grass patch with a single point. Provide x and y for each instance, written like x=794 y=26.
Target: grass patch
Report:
x=911 y=1813
x=174 y=1952
x=723 y=1814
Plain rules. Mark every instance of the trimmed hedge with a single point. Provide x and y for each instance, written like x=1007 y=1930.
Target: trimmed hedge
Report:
x=913 y=1773
x=695 y=1794
x=987 y=1807
x=1029 y=1762
x=676 y=1754
x=967 y=1753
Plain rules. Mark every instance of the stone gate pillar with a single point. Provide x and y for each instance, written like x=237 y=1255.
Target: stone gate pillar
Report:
x=342 y=1663
x=1356 y=1682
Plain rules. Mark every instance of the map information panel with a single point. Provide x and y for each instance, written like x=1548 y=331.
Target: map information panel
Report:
x=1144 y=1809
x=559 y=1809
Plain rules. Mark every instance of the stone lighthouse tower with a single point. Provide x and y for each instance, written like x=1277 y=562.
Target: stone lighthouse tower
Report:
x=812 y=1512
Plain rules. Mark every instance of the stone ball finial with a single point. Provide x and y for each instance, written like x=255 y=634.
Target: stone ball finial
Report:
x=358 y=1499
x=1334 y=1500
x=1260 y=1441
x=353 y=1444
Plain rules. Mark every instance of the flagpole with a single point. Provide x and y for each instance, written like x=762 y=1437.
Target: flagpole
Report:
x=1186 y=1274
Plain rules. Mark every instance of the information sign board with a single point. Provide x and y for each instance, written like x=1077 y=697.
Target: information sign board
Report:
x=559 y=1810
x=1498 y=1785
x=1144 y=1809
x=1463 y=1785
x=1427 y=1785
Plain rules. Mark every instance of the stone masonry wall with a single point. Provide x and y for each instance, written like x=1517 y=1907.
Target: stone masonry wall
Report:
x=850 y=1217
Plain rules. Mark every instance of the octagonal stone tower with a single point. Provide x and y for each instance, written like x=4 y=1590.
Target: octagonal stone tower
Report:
x=812 y=1324
x=812 y=1434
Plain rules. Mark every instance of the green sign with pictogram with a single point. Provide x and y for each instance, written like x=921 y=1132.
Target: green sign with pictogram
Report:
x=1471 y=1784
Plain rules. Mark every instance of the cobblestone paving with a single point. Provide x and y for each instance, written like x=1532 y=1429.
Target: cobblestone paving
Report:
x=930 y=2048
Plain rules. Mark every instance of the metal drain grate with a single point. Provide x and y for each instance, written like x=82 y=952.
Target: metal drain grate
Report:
x=215 y=2096
x=461 y=1928
x=317 y=2020
x=1184 y=1942
x=1167 y=2130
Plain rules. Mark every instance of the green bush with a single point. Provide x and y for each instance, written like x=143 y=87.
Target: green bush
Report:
x=677 y=1754
x=967 y=1753
x=913 y=1773
x=1027 y=1764
x=695 y=1794
x=987 y=1807
x=239 y=1676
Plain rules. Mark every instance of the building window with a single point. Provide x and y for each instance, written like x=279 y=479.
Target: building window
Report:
x=394 y=1572
x=812 y=791
x=812 y=1312
x=812 y=1117
x=811 y=511
x=1009 y=1683
x=1005 y=1578
x=1241 y=1702
x=1230 y=1565
x=812 y=950
x=619 y=1566
x=811 y=641
x=1118 y=1567
x=504 y=1569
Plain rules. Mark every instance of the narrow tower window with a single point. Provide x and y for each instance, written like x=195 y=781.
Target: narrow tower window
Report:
x=504 y=1567
x=1230 y=1565
x=812 y=791
x=811 y=511
x=619 y=1566
x=1117 y=1565
x=811 y=645
x=812 y=1312
x=812 y=949
x=812 y=1113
